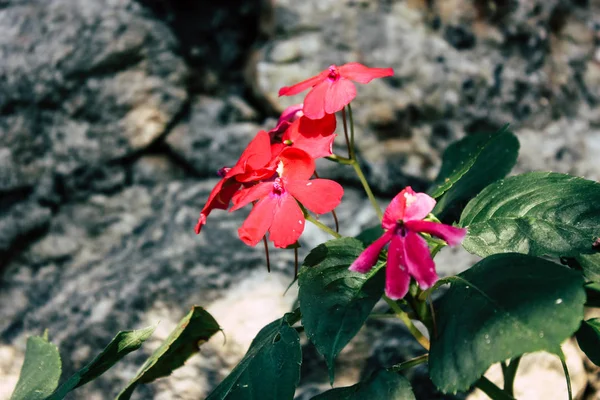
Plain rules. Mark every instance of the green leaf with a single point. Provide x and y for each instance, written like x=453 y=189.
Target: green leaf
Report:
x=538 y=213
x=270 y=370
x=370 y=235
x=588 y=338
x=592 y=291
x=124 y=343
x=504 y=306
x=469 y=165
x=334 y=301
x=40 y=372
x=590 y=265
x=191 y=332
x=384 y=385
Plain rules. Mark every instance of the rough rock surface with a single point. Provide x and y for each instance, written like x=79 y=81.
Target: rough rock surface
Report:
x=115 y=115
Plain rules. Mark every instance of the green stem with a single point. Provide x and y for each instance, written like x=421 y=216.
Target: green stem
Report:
x=409 y=363
x=494 y=392
x=322 y=226
x=510 y=372
x=350 y=147
x=339 y=159
x=403 y=316
x=352 y=155
x=367 y=188
x=567 y=376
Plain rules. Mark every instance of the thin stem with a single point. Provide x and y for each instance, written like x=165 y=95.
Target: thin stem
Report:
x=510 y=372
x=322 y=226
x=339 y=159
x=350 y=147
x=351 y=153
x=295 y=262
x=367 y=188
x=335 y=219
x=409 y=363
x=567 y=376
x=267 y=253
x=432 y=312
x=494 y=392
x=381 y=316
x=407 y=321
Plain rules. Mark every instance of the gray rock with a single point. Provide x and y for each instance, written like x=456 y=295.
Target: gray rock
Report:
x=83 y=83
x=458 y=69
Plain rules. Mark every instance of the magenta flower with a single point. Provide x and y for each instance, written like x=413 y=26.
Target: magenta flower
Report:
x=408 y=253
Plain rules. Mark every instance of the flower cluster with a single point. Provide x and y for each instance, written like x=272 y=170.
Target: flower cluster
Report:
x=275 y=174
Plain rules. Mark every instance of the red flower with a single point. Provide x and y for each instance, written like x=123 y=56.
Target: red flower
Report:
x=408 y=253
x=288 y=116
x=332 y=89
x=277 y=209
x=255 y=163
x=314 y=136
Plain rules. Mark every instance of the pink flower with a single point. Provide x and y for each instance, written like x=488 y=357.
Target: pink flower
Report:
x=332 y=89
x=408 y=253
x=277 y=209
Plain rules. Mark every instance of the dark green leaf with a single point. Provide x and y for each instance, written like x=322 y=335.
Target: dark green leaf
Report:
x=193 y=330
x=334 y=301
x=124 y=343
x=471 y=164
x=370 y=235
x=40 y=372
x=592 y=291
x=384 y=385
x=588 y=337
x=270 y=370
x=504 y=306
x=538 y=213
x=590 y=265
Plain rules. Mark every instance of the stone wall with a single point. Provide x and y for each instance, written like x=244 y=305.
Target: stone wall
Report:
x=115 y=115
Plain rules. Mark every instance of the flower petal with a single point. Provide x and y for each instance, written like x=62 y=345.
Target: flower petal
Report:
x=395 y=210
x=418 y=205
x=313 y=127
x=296 y=164
x=368 y=258
x=219 y=198
x=340 y=94
x=363 y=74
x=302 y=86
x=258 y=222
x=256 y=155
x=245 y=196
x=452 y=235
x=314 y=103
x=418 y=260
x=288 y=222
x=318 y=195
x=397 y=278
x=313 y=136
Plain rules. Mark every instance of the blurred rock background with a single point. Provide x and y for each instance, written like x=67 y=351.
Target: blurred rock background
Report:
x=115 y=115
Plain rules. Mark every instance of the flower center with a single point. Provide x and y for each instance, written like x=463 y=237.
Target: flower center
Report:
x=334 y=74
x=278 y=186
x=401 y=229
